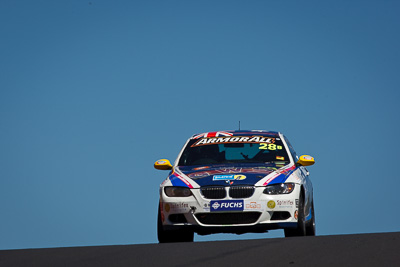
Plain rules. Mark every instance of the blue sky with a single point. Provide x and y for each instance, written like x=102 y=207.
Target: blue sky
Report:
x=92 y=93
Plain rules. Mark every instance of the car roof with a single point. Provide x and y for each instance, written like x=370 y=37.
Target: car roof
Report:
x=235 y=133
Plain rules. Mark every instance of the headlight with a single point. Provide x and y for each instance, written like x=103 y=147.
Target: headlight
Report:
x=276 y=189
x=174 y=191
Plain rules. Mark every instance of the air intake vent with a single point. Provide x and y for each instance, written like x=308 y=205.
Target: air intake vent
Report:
x=213 y=192
x=228 y=218
x=280 y=215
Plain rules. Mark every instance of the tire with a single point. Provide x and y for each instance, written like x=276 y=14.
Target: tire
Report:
x=172 y=236
x=310 y=225
x=301 y=222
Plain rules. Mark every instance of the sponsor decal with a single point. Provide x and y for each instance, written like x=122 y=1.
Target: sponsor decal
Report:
x=216 y=205
x=284 y=203
x=240 y=177
x=253 y=205
x=295 y=176
x=269 y=146
x=212 y=134
x=223 y=177
x=201 y=168
x=280 y=158
x=161 y=162
x=226 y=205
x=176 y=207
x=297 y=203
x=271 y=204
x=234 y=139
x=229 y=177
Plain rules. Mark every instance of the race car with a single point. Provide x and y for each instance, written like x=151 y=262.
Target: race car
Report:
x=235 y=182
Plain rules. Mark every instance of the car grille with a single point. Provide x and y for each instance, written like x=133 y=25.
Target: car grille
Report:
x=241 y=191
x=213 y=192
x=219 y=192
x=228 y=218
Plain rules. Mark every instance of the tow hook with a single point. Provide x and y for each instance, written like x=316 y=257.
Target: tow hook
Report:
x=192 y=209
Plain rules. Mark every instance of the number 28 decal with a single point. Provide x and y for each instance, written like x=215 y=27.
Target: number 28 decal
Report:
x=269 y=146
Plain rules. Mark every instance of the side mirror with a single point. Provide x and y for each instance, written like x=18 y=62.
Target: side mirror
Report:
x=305 y=160
x=163 y=164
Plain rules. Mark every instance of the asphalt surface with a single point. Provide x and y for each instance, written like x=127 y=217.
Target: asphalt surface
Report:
x=340 y=250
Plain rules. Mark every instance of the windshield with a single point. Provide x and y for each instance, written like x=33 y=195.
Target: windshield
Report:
x=234 y=149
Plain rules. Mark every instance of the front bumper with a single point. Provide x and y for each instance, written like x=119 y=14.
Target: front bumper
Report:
x=258 y=213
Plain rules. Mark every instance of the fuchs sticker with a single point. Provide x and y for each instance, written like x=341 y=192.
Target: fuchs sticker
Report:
x=234 y=139
x=226 y=205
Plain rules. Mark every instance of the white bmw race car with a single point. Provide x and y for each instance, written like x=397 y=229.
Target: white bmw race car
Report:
x=235 y=182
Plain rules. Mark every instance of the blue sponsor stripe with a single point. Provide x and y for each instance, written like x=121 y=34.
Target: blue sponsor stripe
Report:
x=176 y=181
x=279 y=179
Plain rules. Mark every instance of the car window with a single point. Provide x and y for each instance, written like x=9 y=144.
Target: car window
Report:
x=236 y=149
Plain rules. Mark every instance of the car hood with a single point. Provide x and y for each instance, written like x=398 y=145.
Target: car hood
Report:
x=246 y=174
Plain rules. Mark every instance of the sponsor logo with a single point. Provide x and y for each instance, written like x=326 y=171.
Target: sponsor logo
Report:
x=240 y=177
x=271 y=204
x=167 y=207
x=176 y=207
x=212 y=134
x=226 y=205
x=284 y=202
x=280 y=158
x=201 y=168
x=229 y=177
x=216 y=205
x=297 y=203
x=253 y=205
x=223 y=177
x=234 y=139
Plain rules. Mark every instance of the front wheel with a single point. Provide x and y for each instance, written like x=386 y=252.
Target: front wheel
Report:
x=301 y=221
x=165 y=236
x=310 y=225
